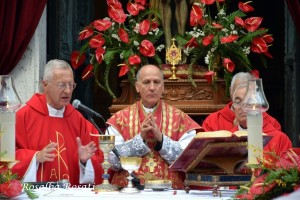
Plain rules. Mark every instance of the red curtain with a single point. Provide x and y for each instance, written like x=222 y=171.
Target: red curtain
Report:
x=294 y=8
x=18 y=21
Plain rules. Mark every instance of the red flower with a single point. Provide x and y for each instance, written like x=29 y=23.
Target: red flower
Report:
x=288 y=159
x=11 y=189
x=195 y=15
x=239 y=21
x=134 y=59
x=245 y=196
x=192 y=43
x=154 y=25
x=207 y=40
x=97 y=41
x=123 y=35
x=228 y=39
x=252 y=23
x=268 y=54
x=85 y=33
x=245 y=7
x=228 y=64
x=77 y=59
x=99 y=54
x=209 y=76
x=134 y=8
x=142 y=2
x=259 y=187
x=124 y=69
x=87 y=72
x=3 y=167
x=116 y=12
x=216 y=25
x=102 y=24
x=208 y=2
x=255 y=73
x=144 y=27
x=147 y=48
x=268 y=38
x=259 y=45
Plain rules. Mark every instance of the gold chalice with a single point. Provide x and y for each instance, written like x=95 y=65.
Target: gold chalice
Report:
x=130 y=164
x=106 y=144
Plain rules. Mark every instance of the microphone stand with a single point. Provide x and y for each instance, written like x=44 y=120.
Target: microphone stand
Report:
x=94 y=123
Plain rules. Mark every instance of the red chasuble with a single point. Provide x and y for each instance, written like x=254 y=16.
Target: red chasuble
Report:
x=172 y=122
x=35 y=129
x=223 y=120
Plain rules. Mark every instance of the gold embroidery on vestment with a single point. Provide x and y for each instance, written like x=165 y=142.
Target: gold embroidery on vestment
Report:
x=137 y=119
x=164 y=118
x=60 y=148
x=151 y=164
x=130 y=121
x=53 y=173
x=170 y=123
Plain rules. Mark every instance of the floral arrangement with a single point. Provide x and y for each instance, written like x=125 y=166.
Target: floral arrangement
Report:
x=275 y=176
x=10 y=186
x=124 y=40
x=224 y=41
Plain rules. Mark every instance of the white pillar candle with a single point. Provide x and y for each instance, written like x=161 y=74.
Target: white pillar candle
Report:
x=7 y=135
x=255 y=137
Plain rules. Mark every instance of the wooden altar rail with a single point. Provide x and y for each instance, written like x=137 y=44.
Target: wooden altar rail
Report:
x=201 y=100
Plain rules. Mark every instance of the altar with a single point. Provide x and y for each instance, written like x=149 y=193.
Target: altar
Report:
x=147 y=194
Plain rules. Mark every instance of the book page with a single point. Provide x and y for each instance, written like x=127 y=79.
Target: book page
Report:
x=213 y=134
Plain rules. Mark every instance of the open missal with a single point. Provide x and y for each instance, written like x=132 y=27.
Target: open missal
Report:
x=216 y=159
x=217 y=152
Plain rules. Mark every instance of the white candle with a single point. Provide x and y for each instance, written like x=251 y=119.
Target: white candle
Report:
x=7 y=135
x=255 y=137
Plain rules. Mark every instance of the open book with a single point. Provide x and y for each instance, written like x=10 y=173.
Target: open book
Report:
x=217 y=152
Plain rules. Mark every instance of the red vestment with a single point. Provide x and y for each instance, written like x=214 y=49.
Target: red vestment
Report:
x=172 y=122
x=223 y=120
x=35 y=129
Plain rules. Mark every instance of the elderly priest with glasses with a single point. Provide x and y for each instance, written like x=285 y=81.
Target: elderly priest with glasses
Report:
x=53 y=139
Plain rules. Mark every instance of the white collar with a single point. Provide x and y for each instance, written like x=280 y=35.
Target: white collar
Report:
x=148 y=110
x=56 y=113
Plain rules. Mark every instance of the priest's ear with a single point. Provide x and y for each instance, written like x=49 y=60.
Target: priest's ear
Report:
x=43 y=84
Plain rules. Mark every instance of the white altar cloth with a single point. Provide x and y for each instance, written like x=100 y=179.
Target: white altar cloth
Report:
x=147 y=194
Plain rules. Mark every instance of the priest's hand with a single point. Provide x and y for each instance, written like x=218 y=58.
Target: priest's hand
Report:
x=85 y=152
x=150 y=129
x=47 y=153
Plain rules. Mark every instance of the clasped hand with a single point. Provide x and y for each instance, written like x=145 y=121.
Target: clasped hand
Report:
x=149 y=128
x=84 y=152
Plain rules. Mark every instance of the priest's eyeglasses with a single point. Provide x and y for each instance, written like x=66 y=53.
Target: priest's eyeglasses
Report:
x=63 y=86
x=237 y=104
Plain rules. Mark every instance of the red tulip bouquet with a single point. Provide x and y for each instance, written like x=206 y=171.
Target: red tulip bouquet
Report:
x=127 y=39
x=274 y=176
x=223 y=41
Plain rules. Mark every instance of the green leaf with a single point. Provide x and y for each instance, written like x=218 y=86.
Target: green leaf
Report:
x=30 y=193
x=110 y=55
x=247 y=38
x=231 y=16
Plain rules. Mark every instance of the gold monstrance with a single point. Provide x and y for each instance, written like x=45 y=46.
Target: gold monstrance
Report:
x=173 y=56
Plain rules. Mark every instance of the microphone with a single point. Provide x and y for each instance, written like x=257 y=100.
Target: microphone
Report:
x=79 y=106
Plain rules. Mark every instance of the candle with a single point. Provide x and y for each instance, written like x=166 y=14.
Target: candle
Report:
x=255 y=137
x=7 y=135
x=254 y=104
